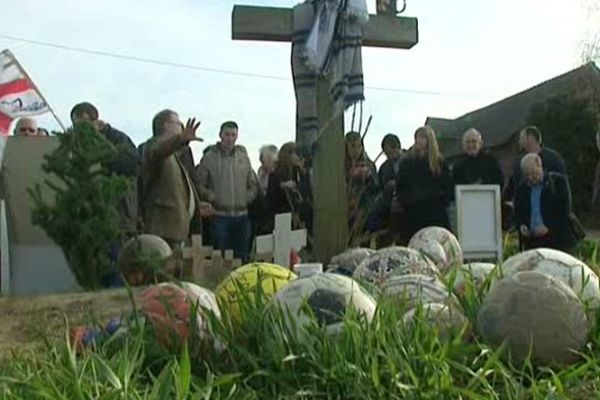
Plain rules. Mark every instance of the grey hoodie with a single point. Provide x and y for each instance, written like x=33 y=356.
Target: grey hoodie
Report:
x=227 y=181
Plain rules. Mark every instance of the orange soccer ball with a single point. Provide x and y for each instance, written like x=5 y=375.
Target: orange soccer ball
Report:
x=178 y=312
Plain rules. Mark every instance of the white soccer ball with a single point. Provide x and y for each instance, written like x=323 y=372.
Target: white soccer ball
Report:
x=562 y=266
x=327 y=296
x=440 y=245
x=346 y=262
x=473 y=275
x=390 y=261
x=410 y=290
x=531 y=311
x=446 y=319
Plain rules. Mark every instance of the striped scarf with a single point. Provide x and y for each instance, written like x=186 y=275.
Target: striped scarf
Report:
x=327 y=41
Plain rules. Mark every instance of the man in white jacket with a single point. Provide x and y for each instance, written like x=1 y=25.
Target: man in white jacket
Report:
x=227 y=181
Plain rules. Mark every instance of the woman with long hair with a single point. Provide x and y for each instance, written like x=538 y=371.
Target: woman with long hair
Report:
x=288 y=189
x=424 y=186
x=362 y=188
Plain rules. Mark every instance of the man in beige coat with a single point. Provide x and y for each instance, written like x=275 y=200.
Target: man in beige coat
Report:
x=170 y=199
x=226 y=180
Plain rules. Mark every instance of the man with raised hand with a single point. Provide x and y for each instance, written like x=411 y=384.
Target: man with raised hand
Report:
x=170 y=199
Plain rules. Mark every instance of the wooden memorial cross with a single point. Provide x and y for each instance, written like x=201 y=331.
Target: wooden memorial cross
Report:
x=205 y=264
x=282 y=241
x=330 y=201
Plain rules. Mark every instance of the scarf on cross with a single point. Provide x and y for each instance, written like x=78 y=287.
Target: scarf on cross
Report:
x=327 y=41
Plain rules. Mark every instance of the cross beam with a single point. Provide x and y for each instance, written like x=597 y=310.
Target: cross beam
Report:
x=329 y=181
x=275 y=25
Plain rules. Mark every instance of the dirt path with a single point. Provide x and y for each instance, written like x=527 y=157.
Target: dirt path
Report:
x=26 y=321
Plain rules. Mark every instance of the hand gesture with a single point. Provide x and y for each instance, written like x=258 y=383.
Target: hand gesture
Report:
x=205 y=209
x=189 y=132
x=290 y=185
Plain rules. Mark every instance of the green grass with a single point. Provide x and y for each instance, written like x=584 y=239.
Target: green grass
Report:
x=266 y=359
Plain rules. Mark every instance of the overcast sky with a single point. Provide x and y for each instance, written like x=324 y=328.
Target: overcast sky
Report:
x=471 y=52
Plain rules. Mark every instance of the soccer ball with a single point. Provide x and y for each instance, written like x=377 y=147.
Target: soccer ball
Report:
x=562 y=266
x=410 y=290
x=346 y=262
x=244 y=283
x=530 y=310
x=390 y=261
x=327 y=296
x=169 y=308
x=445 y=318
x=473 y=275
x=142 y=257
x=440 y=245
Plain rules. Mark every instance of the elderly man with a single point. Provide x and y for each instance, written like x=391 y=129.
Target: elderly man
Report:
x=476 y=166
x=543 y=207
x=170 y=199
x=26 y=127
x=530 y=141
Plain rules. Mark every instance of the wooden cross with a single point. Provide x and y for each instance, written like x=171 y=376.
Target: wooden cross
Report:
x=207 y=264
x=330 y=201
x=282 y=241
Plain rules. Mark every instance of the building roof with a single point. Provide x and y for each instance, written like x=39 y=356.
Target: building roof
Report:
x=498 y=122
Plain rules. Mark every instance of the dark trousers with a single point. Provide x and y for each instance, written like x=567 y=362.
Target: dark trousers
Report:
x=232 y=233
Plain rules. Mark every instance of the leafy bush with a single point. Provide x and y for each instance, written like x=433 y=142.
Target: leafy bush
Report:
x=81 y=215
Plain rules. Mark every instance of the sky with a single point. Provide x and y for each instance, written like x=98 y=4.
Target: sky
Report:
x=471 y=53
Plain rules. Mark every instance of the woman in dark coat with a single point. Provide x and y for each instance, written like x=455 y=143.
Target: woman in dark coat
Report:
x=424 y=185
x=288 y=189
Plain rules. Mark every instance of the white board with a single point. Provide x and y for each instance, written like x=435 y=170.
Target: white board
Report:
x=479 y=221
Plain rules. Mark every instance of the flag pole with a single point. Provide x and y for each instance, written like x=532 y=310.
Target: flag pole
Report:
x=22 y=70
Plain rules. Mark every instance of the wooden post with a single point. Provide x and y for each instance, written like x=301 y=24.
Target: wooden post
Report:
x=329 y=181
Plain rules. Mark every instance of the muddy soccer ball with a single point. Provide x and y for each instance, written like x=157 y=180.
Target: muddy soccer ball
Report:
x=532 y=311
x=410 y=290
x=326 y=297
x=177 y=312
x=346 y=262
x=440 y=245
x=390 y=261
x=446 y=319
x=562 y=266
x=245 y=283
x=473 y=276
x=142 y=257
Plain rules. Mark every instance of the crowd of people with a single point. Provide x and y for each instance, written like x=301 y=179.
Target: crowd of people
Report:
x=223 y=198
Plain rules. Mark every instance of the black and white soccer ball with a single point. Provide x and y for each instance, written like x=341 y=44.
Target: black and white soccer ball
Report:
x=325 y=297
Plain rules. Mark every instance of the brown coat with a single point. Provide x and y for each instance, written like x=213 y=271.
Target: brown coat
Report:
x=167 y=187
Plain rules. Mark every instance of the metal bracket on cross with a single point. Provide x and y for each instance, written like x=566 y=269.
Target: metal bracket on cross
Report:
x=282 y=240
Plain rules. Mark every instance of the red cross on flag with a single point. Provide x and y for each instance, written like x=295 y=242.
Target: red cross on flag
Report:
x=19 y=96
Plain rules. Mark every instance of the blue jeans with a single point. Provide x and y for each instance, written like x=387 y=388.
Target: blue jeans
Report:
x=232 y=233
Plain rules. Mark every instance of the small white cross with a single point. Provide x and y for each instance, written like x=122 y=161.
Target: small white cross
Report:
x=282 y=240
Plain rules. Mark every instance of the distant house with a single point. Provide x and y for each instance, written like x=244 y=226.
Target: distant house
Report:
x=501 y=122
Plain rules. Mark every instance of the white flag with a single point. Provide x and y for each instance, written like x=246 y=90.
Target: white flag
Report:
x=18 y=95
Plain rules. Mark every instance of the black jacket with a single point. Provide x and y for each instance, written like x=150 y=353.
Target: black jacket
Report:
x=387 y=172
x=424 y=195
x=126 y=163
x=482 y=169
x=298 y=200
x=555 y=208
x=552 y=161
